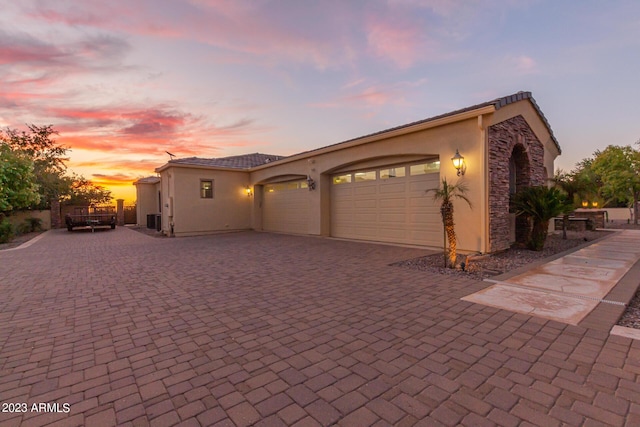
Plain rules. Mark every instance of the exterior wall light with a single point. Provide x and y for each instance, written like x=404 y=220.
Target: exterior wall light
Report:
x=311 y=184
x=458 y=163
x=248 y=191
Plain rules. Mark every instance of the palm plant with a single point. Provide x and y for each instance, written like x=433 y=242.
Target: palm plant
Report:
x=446 y=194
x=539 y=204
x=571 y=185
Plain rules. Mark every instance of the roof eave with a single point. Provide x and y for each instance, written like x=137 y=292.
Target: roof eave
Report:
x=466 y=115
x=195 y=166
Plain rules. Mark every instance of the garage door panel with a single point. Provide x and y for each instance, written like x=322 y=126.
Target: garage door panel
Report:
x=366 y=204
x=286 y=211
x=421 y=187
x=393 y=188
x=397 y=210
x=392 y=202
x=422 y=235
x=388 y=234
x=365 y=217
x=426 y=202
x=392 y=217
x=364 y=232
x=342 y=190
x=365 y=190
x=430 y=218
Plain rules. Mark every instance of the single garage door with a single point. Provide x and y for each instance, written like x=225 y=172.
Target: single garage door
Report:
x=388 y=204
x=286 y=207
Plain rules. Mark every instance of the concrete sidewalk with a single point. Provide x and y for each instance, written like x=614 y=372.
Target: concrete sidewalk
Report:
x=569 y=288
x=273 y=330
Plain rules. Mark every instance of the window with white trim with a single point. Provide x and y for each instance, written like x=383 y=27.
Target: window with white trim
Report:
x=206 y=189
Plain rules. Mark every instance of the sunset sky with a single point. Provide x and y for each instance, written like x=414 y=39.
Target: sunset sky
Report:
x=125 y=81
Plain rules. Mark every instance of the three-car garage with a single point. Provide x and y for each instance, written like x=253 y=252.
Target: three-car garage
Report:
x=383 y=204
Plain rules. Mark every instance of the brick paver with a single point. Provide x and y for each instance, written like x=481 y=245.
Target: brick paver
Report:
x=256 y=328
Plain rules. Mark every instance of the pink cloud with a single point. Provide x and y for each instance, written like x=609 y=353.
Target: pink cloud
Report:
x=372 y=95
x=145 y=165
x=93 y=53
x=400 y=42
x=148 y=131
x=38 y=54
x=113 y=180
x=249 y=28
x=525 y=64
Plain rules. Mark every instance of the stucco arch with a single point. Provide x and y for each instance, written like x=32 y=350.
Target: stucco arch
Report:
x=376 y=161
x=281 y=178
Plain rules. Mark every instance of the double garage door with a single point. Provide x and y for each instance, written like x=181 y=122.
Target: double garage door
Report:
x=387 y=205
x=384 y=204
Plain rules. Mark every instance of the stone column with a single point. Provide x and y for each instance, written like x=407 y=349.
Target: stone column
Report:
x=56 y=218
x=120 y=212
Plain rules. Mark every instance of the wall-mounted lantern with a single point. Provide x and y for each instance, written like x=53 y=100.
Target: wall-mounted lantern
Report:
x=458 y=163
x=248 y=191
x=311 y=184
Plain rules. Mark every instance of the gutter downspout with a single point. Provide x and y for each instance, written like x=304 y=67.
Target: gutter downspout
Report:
x=169 y=203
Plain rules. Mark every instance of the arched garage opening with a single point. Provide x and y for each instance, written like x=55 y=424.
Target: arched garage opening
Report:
x=386 y=202
x=284 y=204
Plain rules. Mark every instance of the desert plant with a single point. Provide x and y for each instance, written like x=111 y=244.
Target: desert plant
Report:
x=22 y=228
x=6 y=230
x=446 y=194
x=34 y=224
x=539 y=204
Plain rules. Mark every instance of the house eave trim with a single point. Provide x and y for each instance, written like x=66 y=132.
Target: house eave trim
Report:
x=466 y=115
x=192 y=166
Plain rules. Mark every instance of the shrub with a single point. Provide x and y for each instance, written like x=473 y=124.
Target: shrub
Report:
x=23 y=228
x=539 y=205
x=6 y=231
x=34 y=224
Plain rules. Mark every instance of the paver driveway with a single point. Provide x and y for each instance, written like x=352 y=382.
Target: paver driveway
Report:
x=265 y=329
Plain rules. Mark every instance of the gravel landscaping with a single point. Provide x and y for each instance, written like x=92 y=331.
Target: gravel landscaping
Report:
x=495 y=264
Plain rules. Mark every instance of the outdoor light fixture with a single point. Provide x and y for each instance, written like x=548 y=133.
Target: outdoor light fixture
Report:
x=311 y=184
x=594 y=204
x=248 y=191
x=585 y=203
x=458 y=163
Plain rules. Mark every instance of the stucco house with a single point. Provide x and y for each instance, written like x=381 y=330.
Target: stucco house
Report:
x=369 y=188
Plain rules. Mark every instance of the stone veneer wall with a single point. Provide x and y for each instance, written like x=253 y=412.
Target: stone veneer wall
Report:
x=56 y=217
x=503 y=138
x=595 y=215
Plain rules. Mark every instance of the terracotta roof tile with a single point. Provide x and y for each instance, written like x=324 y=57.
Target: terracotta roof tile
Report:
x=148 y=180
x=245 y=161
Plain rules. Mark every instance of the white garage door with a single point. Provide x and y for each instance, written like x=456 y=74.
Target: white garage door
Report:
x=286 y=207
x=388 y=205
